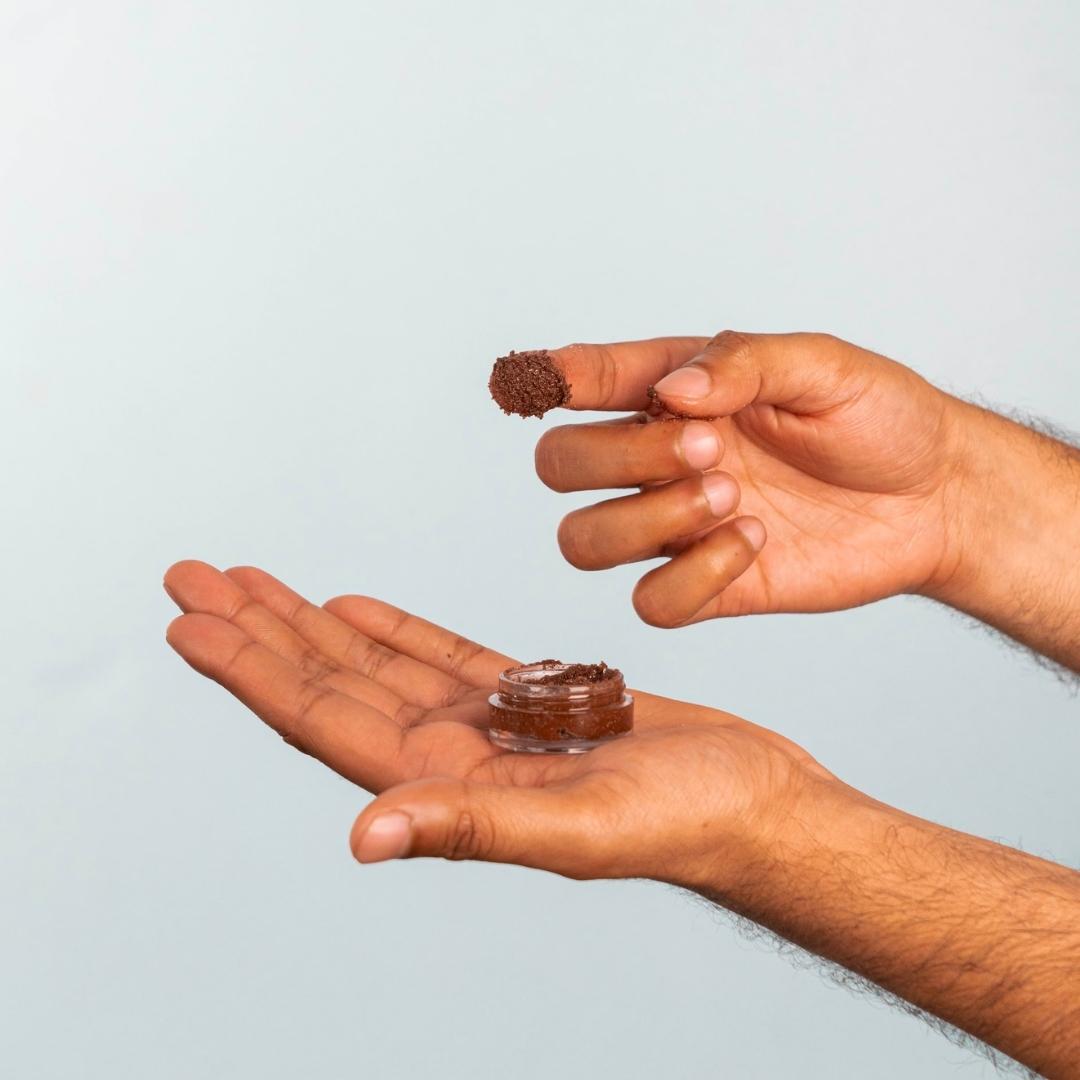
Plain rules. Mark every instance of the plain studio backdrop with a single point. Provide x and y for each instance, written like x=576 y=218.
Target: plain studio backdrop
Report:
x=255 y=262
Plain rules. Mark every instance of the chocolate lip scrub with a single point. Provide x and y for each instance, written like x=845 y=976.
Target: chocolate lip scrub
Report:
x=528 y=383
x=552 y=707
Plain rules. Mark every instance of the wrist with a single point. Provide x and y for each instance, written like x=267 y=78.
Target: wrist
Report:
x=1011 y=509
x=973 y=453
x=793 y=833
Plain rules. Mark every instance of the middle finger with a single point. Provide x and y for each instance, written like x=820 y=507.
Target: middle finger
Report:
x=589 y=457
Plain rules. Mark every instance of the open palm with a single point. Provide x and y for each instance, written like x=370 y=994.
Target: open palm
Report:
x=398 y=705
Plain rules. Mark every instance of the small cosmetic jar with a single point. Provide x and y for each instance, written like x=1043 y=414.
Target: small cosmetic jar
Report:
x=551 y=707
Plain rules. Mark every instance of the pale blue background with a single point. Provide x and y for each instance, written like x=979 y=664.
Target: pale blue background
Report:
x=255 y=261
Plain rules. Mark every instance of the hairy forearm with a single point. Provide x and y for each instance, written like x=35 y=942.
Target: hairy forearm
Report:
x=985 y=937
x=1016 y=519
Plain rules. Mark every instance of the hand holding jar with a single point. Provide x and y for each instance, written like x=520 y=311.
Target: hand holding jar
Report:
x=694 y=796
x=401 y=707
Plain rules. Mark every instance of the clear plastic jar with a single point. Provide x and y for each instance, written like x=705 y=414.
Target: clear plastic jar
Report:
x=543 y=708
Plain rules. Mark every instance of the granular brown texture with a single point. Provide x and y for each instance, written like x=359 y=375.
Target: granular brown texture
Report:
x=551 y=702
x=576 y=674
x=657 y=410
x=555 y=724
x=528 y=383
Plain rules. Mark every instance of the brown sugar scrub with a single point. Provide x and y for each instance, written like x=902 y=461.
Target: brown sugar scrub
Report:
x=657 y=410
x=528 y=383
x=556 y=708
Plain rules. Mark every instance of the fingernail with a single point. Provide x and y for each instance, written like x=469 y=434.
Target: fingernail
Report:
x=700 y=445
x=753 y=531
x=721 y=493
x=688 y=383
x=387 y=837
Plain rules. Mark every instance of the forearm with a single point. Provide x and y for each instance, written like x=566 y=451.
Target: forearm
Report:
x=985 y=937
x=1015 y=523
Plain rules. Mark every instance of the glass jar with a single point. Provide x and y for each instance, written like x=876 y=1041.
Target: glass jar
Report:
x=545 y=708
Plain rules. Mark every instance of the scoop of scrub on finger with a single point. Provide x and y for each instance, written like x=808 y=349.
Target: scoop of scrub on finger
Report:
x=528 y=383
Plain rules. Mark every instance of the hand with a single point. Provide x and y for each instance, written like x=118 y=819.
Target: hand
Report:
x=399 y=706
x=853 y=464
x=694 y=796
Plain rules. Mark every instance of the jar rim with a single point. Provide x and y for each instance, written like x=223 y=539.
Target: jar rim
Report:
x=526 y=682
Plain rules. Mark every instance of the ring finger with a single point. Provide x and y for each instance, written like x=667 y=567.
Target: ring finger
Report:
x=643 y=526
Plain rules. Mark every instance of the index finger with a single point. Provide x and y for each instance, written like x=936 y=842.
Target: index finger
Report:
x=617 y=377
x=409 y=635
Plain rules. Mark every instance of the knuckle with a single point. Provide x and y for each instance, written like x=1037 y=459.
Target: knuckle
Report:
x=299 y=730
x=293 y=739
x=401 y=620
x=461 y=653
x=823 y=342
x=243 y=607
x=650 y=608
x=406 y=715
x=312 y=696
x=826 y=349
x=470 y=836
x=318 y=666
x=366 y=656
x=672 y=548
x=834 y=360
x=548 y=458
x=577 y=542
x=607 y=375
x=451 y=696
x=232 y=667
x=341 y=605
x=600 y=362
x=298 y=736
x=299 y=609
x=732 y=344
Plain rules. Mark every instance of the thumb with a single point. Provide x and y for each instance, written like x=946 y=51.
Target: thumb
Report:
x=454 y=819
x=802 y=372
